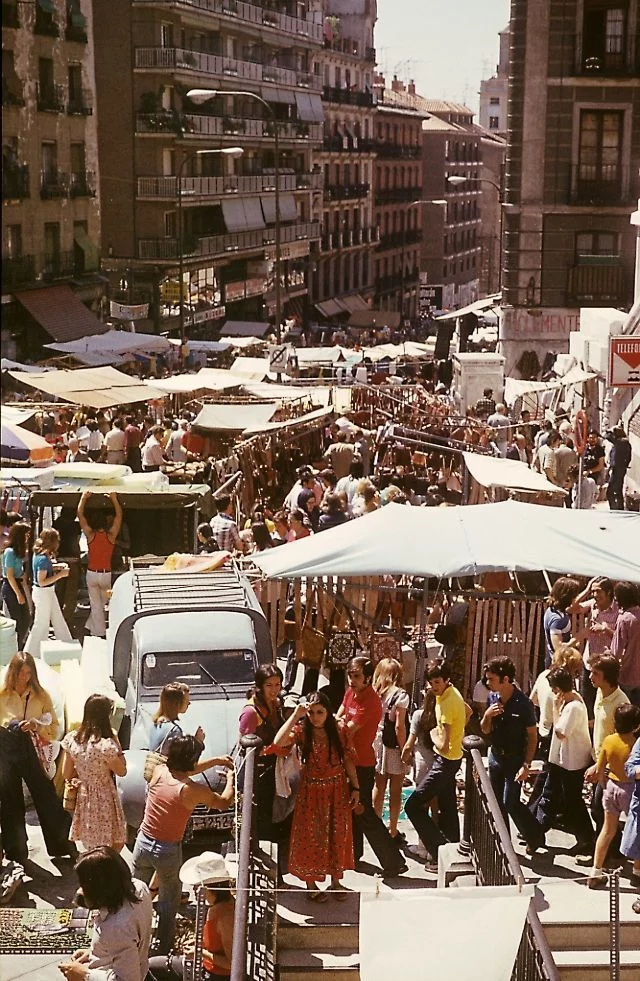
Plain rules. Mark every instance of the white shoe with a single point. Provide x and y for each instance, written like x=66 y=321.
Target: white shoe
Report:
x=418 y=852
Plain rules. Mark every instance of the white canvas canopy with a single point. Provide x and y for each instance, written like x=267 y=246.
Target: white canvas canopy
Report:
x=235 y=417
x=492 y=471
x=99 y=388
x=464 y=541
x=114 y=342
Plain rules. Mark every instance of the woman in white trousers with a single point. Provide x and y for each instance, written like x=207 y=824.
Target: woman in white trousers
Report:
x=46 y=605
x=101 y=533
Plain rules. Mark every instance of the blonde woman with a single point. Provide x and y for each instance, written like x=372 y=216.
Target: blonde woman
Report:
x=390 y=740
x=174 y=700
x=46 y=573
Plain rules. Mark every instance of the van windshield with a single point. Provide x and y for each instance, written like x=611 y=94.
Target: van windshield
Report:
x=198 y=668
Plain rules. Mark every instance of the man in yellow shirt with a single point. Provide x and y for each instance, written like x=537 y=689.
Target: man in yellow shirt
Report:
x=440 y=781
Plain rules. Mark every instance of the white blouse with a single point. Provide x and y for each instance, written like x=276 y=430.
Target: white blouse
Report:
x=571 y=721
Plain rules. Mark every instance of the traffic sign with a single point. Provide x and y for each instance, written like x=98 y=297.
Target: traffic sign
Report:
x=278 y=357
x=624 y=362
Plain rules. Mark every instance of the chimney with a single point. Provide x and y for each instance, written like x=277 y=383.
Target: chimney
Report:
x=411 y=87
x=397 y=85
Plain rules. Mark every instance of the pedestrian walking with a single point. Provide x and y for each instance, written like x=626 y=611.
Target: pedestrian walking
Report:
x=13 y=590
x=46 y=573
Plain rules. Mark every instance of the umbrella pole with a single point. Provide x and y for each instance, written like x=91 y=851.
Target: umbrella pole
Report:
x=422 y=642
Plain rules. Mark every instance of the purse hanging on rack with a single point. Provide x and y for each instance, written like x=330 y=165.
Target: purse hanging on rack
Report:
x=312 y=643
x=385 y=645
x=341 y=644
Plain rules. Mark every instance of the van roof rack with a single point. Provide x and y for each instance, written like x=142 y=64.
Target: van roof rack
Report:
x=155 y=590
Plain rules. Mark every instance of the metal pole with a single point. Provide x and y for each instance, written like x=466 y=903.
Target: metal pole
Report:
x=614 y=925
x=239 y=949
x=469 y=743
x=276 y=139
x=183 y=338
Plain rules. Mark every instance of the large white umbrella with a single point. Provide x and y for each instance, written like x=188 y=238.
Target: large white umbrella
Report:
x=21 y=446
x=463 y=541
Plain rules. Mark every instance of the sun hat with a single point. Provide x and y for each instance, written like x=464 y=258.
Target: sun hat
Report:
x=209 y=867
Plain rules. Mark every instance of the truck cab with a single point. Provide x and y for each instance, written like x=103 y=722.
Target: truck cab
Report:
x=206 y=630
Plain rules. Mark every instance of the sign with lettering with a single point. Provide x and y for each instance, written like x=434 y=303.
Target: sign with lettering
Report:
x=538 y=324
x=202 y=316
x=121 y=312
x=430 y=296
x=624 y=362
x=296 y=250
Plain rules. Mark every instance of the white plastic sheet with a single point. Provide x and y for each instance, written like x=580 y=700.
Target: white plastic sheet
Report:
x=432 y=934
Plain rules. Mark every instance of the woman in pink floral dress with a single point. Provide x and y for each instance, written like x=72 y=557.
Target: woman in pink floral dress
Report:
x=93 y=756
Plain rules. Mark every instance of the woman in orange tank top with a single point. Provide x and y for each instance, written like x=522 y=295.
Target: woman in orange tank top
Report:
x=101 y=534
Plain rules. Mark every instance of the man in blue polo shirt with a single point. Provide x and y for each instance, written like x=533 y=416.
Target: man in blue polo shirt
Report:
x=510 y=720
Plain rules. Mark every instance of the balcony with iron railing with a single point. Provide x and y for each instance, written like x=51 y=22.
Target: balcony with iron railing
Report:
x=12 y=93
x=249 y=128
x=393 y=151
x=46 y=22
x=347 y=97
x=218 y=187
x=386 y=284
x=396 y=240
x=15 y=181
x=393 y=195
x=50 y=98
x=76 y=32
x=224 y=244
x=252 y=13
x=346 y=192
x=594 y=58
x=348 y=238
x=58 y=265
x=601 y=282
x=10 y=15
x=82 y=184
x=603 y=185
x=342 y=144
x=216 y=65
x=17 y=271
x=54 y=184
x=80 y=103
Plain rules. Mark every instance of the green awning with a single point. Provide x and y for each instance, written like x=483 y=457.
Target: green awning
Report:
x=91 y=253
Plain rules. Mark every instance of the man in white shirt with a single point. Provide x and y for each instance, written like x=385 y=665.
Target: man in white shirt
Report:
x=153 y=452
x=114 y=443
x=175 y=448
x=500 y=422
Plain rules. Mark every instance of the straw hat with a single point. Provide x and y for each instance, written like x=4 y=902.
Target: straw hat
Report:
x=208 y=868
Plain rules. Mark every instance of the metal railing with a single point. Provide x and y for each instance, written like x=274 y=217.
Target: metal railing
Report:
x=487 y=840
x=54 y=184
x=50 y=98
x=204 y=63
x=253 y=953
x=18 y=271
x=345 y=192
x=167 y=187
x=168 y=248
x=390 y=195
x=254 y=13
x=80 y=103
x=348 y=97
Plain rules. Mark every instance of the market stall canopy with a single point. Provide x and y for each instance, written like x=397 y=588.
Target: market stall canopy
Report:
x=465 y=541
x=61 y=314
x=320 y=395
x=242 y=342
x=234 y=417
x=245 y=328
x=118 y=342
x=492 y=471
x=375 y=319
x=515 y=387
x=184 y=384
x=295 y=423
x=9 y=365
x=210 y=347
x=478 y=307
x=21 y=446
x=99 y=388
x=16 y=414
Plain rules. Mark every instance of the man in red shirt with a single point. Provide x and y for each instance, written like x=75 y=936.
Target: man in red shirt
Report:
x=361 y=710
x=133 y=439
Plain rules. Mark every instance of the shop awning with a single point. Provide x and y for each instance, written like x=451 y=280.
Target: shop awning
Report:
x=375 y=319
x=60 y=313
x=288 y=209
x=242 y=214
x=234 y=418
x=278 y=95
x=478 y=307
x=115 y=342
x=330 y=308
x=99 y=388
x=89 y=249
x=354 y=302
x=491 y=471
x=246 y=328
x=304 y=420
x=310 y=109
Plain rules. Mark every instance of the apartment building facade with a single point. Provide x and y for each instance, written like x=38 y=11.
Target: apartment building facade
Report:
x=51 y=289
x=572 y=168
x=169 y=199
x=398 y=192
x=343 y=277
x=494 y=91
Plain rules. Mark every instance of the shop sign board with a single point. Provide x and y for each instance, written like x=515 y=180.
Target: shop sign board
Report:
x=624 y=362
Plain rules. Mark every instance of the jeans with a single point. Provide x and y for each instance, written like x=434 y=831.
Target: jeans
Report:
x=17 y=611
x=165 y=858
x=588 y=692
x=47 y=612
x=439 y=782
x=566 y=785
x=368 y=825
x=18 y=762
x=502 y=773
x=615 y=491
x=98 y=586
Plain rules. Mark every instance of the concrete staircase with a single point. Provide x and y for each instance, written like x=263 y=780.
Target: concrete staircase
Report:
x=576 y=922
x=318 y=941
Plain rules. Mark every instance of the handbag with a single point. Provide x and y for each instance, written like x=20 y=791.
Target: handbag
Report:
x=151 y=761
x=385 y=645
x=47 y=753
x=341 y=644
x=389 y=735
x=70 y=795
x=312 y=643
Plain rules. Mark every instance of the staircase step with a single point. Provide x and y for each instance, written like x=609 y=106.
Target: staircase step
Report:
x=577 y=918
x=593 y=965
x=590 y=936
x=310 y=936
x=314 y=965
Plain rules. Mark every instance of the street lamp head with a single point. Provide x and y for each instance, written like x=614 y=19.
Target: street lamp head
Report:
x=202 y=95
x=225 y=151
x=458 y=179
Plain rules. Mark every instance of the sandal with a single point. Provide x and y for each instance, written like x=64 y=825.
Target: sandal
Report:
x=317 y=896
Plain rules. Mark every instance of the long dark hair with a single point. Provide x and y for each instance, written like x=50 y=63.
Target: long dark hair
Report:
x=264 y=672
x=95 y=720
x=428 y=719
x=105 y=880
x=19 y=537
x=330 y=727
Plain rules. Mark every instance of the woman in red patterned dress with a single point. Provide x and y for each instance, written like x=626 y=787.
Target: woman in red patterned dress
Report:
x=321 y=836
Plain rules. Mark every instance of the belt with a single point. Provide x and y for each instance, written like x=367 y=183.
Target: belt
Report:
x=98 y=570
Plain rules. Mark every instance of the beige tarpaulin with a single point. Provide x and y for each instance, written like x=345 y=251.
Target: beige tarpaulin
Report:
x=270 y=427
x=99 y=388
x=234 y=417
x=492 y=471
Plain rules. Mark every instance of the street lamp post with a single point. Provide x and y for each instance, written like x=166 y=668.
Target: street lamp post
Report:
x=457 y=179
x=200 y=96
x=232 y=151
